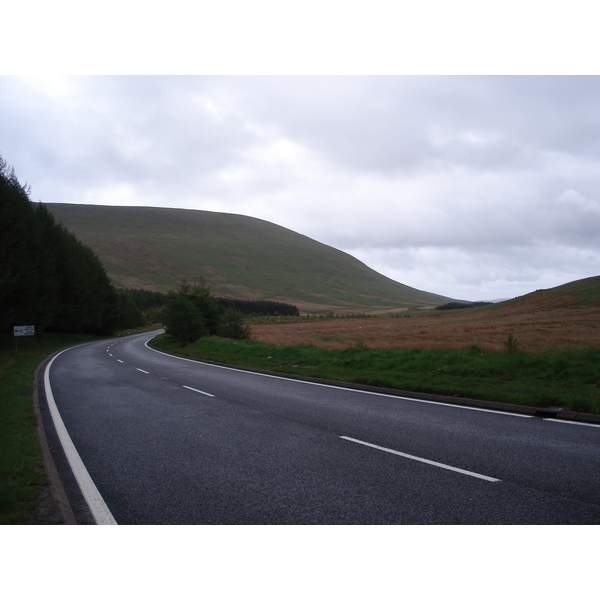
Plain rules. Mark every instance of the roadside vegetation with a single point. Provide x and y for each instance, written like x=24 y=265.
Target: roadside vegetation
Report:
x=191 y=311
x=22 y=476
x=564 y=378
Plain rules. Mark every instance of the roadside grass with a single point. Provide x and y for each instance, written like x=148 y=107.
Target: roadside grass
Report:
x=564 y=378
x=22 y=476
x=23 y=480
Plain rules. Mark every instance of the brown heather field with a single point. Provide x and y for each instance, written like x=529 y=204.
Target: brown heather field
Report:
x=538 y=322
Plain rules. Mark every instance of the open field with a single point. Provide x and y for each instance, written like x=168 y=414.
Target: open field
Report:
x=538 y=322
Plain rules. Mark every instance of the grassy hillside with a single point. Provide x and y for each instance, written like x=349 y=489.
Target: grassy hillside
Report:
x=240 y=257
x=586 y=290
x=580 y=293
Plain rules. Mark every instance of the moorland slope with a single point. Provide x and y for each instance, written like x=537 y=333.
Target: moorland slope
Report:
x=239 y=257
x=564 y=317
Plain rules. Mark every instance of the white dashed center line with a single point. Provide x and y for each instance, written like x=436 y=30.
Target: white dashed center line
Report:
x=198 y=391
x=423 y=460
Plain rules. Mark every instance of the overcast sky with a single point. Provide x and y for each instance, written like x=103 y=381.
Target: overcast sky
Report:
x=473 y=187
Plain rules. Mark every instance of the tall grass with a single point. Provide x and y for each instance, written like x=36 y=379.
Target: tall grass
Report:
x=565 y=378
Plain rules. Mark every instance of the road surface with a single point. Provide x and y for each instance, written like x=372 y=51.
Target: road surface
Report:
x=163 y=440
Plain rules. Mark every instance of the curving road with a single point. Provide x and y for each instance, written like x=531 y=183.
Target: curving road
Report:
x=163 y=440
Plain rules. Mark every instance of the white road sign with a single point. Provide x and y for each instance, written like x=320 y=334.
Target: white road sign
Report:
x=21 y=330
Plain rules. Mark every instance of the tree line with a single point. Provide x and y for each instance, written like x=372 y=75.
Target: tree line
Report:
x=460 y=305
x=260 y=308
x=192 y=312
x=150 y=305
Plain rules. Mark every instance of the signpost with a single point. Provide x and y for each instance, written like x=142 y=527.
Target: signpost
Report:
x=21 y=331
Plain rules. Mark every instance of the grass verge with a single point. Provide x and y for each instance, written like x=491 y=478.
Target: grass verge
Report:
x=564 y=378
x=22 y=476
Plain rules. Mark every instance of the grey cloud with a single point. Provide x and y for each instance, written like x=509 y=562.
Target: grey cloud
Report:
x=146 y=130
x=396 y=123
x=484 y=171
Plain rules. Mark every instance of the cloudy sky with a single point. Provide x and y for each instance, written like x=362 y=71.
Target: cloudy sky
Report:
x=471 y=186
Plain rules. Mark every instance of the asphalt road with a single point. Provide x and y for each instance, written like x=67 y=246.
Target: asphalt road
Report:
x=172 y=441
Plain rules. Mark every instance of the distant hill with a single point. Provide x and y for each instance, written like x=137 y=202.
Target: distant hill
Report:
x=239 y=257
x=586 y=290
x=579 y=293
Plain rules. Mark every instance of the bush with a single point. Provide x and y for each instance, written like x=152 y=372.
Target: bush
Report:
x=192 y=312
x=233 y=326
x=511 y=345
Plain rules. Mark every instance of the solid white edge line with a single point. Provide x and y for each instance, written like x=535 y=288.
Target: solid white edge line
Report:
x=337 y=387
x=187 y=387
x=573 y=422
x=100 y=511
x=423 y=460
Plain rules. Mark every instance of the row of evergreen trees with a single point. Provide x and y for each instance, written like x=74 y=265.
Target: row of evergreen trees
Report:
x=260 y=308
x=48 y=278
x=460 y=305
x=146 y=305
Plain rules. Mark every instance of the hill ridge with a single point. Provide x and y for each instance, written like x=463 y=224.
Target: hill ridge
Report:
x=238 y=256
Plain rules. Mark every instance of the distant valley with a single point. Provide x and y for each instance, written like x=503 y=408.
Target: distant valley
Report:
x=239 y=257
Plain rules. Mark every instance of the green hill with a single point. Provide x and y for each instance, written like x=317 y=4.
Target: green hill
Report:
x=575 y=294
x=240 y=257
x=587 y=290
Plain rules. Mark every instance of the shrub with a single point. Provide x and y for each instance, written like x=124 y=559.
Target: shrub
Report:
x=191 y=312
x=233 y=326
x=511 y=345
